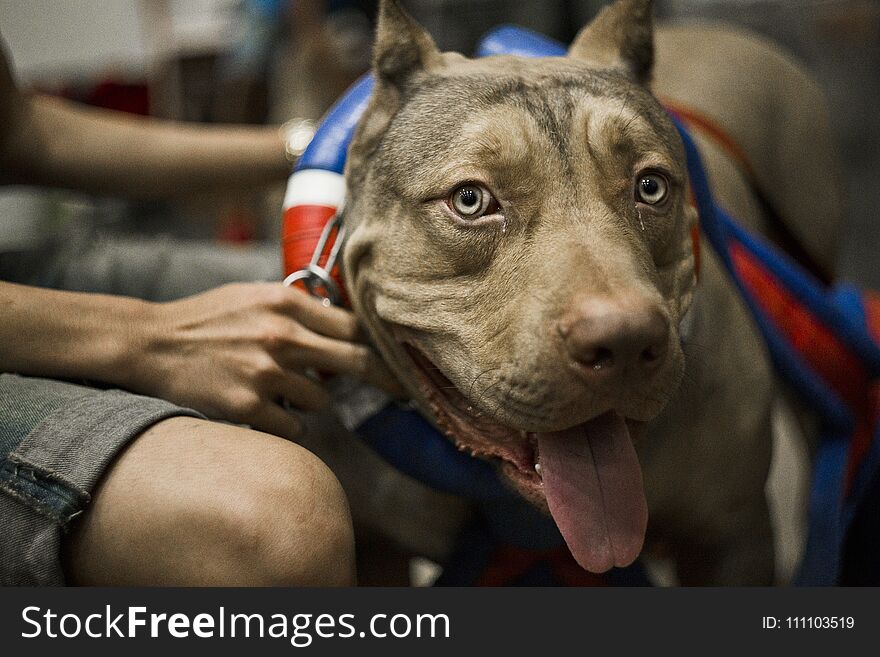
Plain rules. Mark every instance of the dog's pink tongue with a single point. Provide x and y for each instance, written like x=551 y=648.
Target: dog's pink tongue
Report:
x=594 y=489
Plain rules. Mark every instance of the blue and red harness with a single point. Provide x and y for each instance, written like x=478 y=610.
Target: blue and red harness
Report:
x=824 y=342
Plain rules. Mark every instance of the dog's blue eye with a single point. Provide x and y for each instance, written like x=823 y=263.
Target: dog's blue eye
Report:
x=472 y=201
x=651 y=188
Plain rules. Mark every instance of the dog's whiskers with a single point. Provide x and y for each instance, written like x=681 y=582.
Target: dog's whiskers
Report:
x=477 y=378
x=497 y=404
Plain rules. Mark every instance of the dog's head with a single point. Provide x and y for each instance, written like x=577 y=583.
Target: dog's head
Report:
x=520 y=251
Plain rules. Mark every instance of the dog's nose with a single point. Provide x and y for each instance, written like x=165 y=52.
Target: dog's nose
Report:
x=614 y=335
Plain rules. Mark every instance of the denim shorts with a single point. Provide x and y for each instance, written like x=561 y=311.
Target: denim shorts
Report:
x=56 y=441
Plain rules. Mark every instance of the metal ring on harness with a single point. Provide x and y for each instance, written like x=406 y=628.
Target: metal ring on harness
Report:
x=316 y=278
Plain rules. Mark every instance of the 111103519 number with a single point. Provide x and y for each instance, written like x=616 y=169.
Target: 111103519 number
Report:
x=820 y=622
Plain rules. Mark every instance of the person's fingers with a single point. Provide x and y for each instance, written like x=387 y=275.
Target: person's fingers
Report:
x=302 y=392
x=331 y=321
x=325 y=354
x=333 y=343
x=271 y=418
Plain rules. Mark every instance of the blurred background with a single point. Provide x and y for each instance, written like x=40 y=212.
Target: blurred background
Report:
x=269 y=61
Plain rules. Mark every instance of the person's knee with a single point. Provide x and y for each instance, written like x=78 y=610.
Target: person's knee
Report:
x=293 y=526
x=192 y=502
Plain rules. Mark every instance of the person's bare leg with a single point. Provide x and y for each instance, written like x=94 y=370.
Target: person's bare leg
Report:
x=191 y=502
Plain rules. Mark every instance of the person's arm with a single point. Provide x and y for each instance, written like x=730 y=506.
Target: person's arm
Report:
x=50 y=141
x=62 y=144
x=231 y=353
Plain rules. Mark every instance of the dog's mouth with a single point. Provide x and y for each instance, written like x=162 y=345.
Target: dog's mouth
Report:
x=587 y=476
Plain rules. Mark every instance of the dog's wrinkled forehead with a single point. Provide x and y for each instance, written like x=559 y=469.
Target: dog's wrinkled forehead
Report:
x=443 y=112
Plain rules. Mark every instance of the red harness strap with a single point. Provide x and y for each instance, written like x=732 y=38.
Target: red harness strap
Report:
x=820 y=348
x=709 y=128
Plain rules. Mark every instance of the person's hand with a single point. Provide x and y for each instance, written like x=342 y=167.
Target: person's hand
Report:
x=236 y=351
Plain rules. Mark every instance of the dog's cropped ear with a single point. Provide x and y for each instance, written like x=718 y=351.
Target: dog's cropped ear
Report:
x=402 y=47
x=621 y=37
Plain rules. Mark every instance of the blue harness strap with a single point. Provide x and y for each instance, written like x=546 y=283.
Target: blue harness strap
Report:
x=842 y=486
x=834 y=502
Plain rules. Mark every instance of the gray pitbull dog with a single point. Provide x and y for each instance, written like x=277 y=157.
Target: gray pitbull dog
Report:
x=520 y=252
